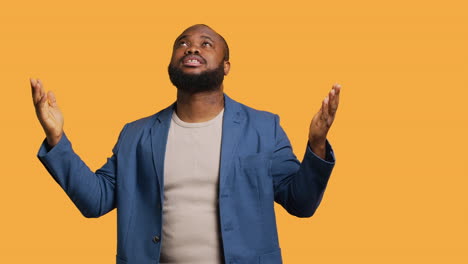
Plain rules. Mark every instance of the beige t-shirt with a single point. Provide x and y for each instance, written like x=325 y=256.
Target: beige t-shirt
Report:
x=190 y=230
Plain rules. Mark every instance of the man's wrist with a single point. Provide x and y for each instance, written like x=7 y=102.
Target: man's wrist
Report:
x=53 y=140
x=318 y=147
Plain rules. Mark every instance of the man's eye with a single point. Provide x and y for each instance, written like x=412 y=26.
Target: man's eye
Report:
x=182 y=43
x=207 y=44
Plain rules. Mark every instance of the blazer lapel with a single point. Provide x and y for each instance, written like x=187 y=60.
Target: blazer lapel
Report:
x=159 y=133
x=232 y=121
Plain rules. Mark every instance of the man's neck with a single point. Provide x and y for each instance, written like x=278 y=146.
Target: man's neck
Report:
x=199 y=107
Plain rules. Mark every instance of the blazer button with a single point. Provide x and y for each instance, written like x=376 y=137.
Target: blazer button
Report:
x=156 y=239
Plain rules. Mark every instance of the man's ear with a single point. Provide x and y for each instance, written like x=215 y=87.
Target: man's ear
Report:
x=227 y=67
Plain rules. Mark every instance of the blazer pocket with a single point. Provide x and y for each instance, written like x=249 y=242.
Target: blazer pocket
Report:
x=257 y=170
x=256 y=160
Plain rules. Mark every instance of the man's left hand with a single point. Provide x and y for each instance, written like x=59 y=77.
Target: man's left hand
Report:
x=322 y=121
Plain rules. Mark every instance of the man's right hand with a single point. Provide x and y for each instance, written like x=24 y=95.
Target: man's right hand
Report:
x=47 y=112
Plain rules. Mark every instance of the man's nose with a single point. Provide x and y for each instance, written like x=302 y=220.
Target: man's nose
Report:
x=192 y=49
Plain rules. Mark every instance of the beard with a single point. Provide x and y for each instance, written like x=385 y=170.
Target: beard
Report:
x=209 y=80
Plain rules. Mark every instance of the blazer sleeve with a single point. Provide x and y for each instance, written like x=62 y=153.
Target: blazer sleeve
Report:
x=93 y=193
x=299 y=186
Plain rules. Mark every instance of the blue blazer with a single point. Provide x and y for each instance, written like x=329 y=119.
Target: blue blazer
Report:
x=257 y=168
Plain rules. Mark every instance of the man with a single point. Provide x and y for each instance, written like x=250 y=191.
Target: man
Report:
x=195 y=182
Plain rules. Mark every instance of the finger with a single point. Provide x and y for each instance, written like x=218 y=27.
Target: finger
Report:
x=331 y=95
x=40 y=93
x=332 y=104
x=337 y=88
x=42 y=105
x=318 y=115
x=334 y=101
x=52 y=99
x=41 y=87
x=35 y=91
x=325 y=113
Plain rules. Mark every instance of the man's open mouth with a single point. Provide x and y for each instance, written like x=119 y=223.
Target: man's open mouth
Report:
x=193 y=61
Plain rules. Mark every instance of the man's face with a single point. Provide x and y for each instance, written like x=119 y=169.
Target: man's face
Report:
x=198 y=49
x=198 y=60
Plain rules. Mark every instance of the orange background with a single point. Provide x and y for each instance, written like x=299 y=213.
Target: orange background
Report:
x=398 y=193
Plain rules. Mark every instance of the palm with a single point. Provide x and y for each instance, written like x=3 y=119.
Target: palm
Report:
x=319 y=124
x=47 y=112
x=51 y=117
x=323 y=119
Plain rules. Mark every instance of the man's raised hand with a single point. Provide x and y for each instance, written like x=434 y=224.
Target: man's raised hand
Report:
x=47 y=112
x=322 y=121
